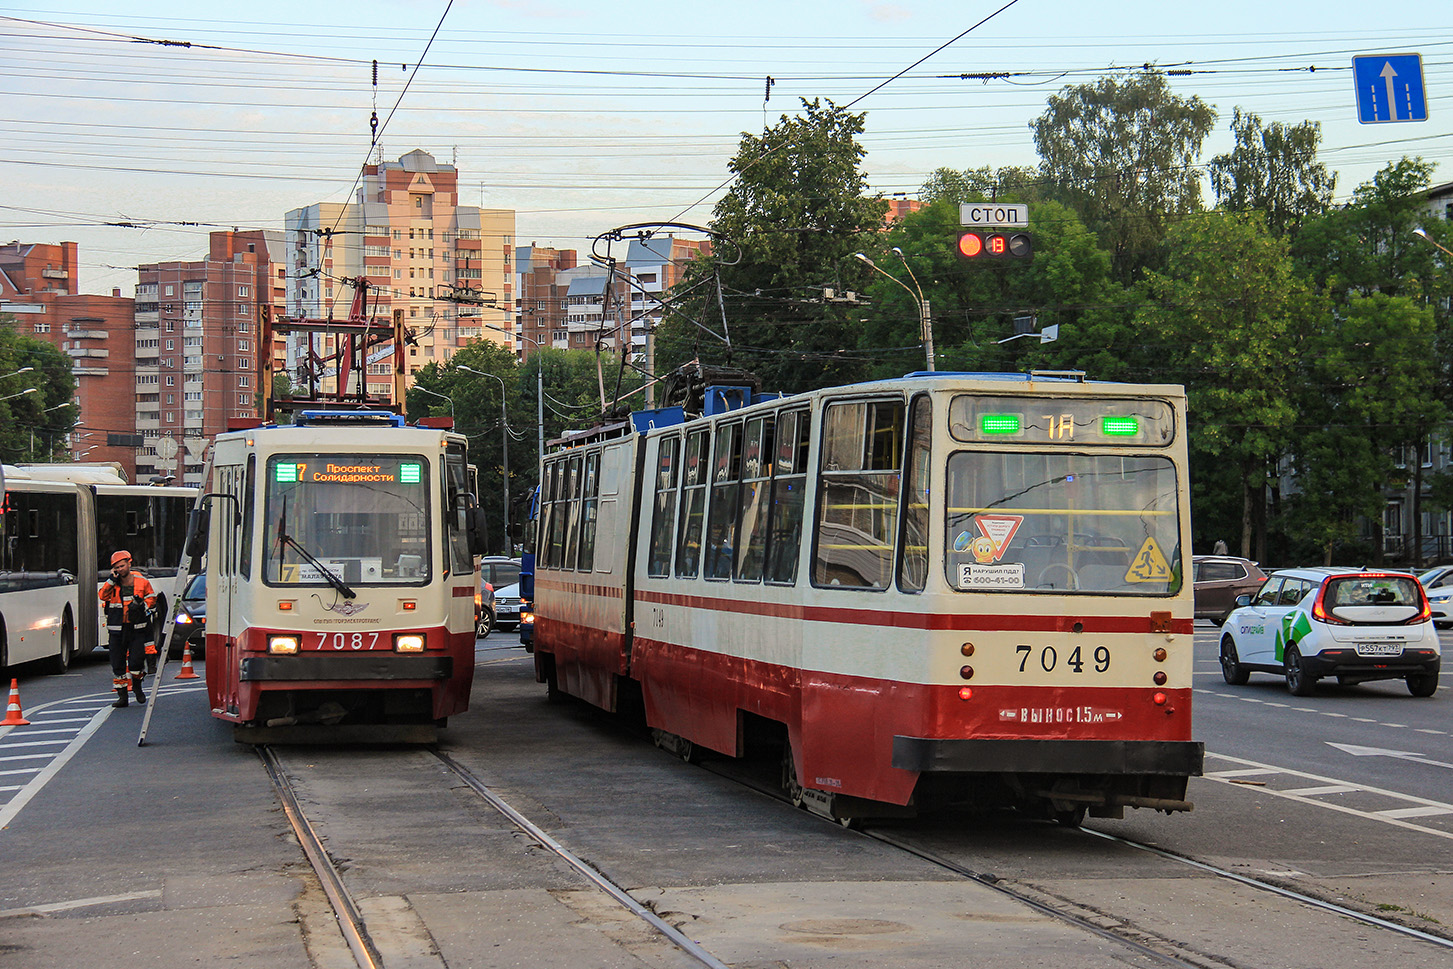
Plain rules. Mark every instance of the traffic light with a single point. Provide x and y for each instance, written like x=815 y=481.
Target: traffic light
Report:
x=979 y=245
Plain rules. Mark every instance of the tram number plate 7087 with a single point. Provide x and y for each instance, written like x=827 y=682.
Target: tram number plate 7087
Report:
x=1078 y=659
x=346 y=641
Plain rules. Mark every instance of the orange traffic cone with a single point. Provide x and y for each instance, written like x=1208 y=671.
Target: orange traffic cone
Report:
x=13 y=716
x=186 y=673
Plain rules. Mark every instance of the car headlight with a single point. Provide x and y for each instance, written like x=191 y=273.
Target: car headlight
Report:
x=408 y=642
x=283 y=645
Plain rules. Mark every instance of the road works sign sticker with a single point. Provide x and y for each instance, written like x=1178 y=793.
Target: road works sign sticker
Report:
x=1149 y=564
x=985 y=572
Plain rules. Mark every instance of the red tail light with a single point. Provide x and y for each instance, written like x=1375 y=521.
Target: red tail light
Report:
x=1319 y=609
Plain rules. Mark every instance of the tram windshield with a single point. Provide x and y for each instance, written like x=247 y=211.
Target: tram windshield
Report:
x=1058 y=522
x=363 y=517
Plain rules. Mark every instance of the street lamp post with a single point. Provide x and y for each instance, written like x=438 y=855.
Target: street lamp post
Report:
x=539 y=392
x=504 y=430
x=1422 y=233
x=925 y=326
x=431 y=393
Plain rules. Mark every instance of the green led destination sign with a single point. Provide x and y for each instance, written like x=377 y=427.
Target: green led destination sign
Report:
x=1062 y=420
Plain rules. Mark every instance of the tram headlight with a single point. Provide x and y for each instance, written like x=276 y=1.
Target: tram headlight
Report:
x=283 y=645
x=408 y=642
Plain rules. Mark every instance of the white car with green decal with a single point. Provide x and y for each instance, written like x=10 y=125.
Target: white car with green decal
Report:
x=1353 y=624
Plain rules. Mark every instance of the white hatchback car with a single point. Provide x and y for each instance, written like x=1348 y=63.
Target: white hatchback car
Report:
x=1354 y=624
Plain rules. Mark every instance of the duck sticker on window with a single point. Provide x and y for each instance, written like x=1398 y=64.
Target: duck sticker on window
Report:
x=987 y=571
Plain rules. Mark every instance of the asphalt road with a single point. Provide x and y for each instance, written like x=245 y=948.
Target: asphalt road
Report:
x=176 y=854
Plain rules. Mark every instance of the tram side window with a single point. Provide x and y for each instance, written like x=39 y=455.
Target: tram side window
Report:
x=721 y=527
x=857 y=506
x=248 y=506
x=457 y=487
x=693 y=506
x=589 y=503
x=572 y=517
x=789 y=489
x=913 y=559
x=756 y=506
x=558 y=517
x=547 y=506
x=663 y=518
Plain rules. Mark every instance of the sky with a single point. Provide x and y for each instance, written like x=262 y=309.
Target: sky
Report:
x=135 y=129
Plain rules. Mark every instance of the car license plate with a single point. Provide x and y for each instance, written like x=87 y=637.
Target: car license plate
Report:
x=1379 y=649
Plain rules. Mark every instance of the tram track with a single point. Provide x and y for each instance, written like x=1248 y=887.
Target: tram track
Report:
x=1094 y=920
x=352 y=922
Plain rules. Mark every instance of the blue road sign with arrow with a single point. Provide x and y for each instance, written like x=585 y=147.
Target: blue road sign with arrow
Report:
x=1390 y=88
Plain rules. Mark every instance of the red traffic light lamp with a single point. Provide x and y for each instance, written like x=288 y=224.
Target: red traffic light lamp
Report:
x=995 y=245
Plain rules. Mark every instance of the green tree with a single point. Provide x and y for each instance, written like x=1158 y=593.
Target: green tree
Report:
x=1123 y=152
x=1010 y=183
x=1371 y=396
x=1229 y=319
x=47 y=408
x=790 y=223
x=974 y=304
x=571 y=381
x=1273 y=169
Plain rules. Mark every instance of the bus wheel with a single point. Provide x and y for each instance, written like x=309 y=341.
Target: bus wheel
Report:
x=62 y=661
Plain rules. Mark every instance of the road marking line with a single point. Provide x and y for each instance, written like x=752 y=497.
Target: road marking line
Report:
x=8 y=813
x=1241 y=773
x=1386 y=817
x=78 y=903
x=42 y=743
x=1328 y=789
x=24 y=757
x=1417 y=812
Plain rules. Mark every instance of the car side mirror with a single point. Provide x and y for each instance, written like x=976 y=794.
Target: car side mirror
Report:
x=1244 y=599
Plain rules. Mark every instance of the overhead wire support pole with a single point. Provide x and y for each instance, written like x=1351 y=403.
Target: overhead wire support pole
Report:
x=925 y=322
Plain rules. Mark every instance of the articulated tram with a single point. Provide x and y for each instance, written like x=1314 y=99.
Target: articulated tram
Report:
x=940 y=589
x=341 y=580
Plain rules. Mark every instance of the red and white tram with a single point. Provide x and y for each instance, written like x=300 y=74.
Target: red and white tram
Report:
x=937 y=589
x=341 y=580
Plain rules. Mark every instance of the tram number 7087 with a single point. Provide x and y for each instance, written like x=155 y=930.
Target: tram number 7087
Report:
x=1049 y=658
x=342 y=641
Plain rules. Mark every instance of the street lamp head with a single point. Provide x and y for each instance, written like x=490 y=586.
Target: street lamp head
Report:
x=897 y=252
x=861 y=257
x=1420 y=231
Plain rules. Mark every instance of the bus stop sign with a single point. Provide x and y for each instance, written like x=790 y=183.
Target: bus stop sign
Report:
x=1390 y=88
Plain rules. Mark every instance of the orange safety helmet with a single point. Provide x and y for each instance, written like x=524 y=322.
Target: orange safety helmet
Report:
x=120 y=557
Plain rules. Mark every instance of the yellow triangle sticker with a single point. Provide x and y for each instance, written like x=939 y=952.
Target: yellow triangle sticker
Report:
x=1149 y=564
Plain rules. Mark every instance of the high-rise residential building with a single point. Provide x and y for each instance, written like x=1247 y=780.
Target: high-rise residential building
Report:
x=197 y=347
x=448 y=267
x=40 y=287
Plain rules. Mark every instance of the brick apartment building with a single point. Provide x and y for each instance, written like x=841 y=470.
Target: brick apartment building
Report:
x=197 y=348
x=40 y=287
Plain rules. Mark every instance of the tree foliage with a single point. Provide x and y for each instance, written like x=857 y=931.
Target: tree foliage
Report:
x=1123 y=152
x=48 y=411
x=1273 y=170
x=792 y=220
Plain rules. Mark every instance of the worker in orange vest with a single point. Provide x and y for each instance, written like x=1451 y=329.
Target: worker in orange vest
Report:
x=128 y=599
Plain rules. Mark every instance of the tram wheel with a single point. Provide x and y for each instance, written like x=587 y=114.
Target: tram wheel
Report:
x=1072 y=818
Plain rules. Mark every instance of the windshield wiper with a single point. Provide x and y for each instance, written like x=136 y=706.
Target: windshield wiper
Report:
x=283 y=538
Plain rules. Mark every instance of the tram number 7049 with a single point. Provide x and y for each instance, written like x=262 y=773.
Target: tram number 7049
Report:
x=342 y=641
x=1049 y=658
